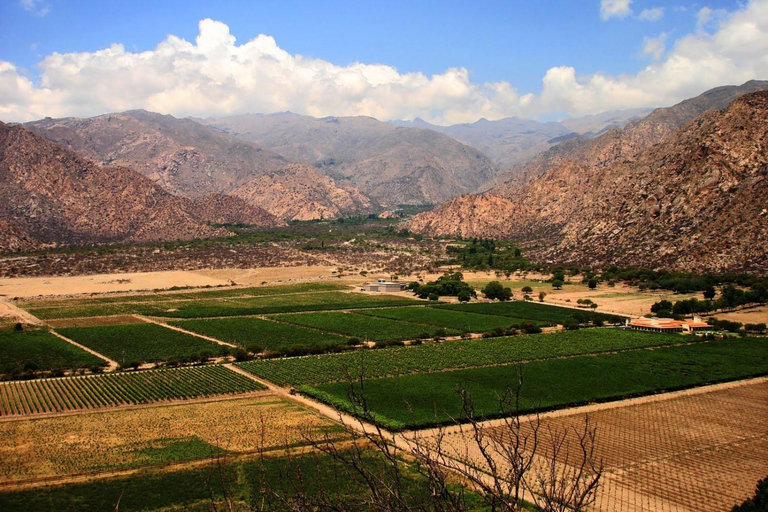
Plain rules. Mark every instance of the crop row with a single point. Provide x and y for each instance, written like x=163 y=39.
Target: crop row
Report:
x=433 y=357
x=362 y=326
x=40 y=350
x=533 y=311
x=446 y=318
x=227 y=306
x=95 y=391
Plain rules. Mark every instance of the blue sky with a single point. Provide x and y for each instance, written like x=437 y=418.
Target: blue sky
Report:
x=512 y=42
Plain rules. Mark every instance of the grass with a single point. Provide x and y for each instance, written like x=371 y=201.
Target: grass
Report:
x=435 y=357
x=433 y=398
x=40 y=350
x=526 y=310
x=138 y=342
x=447 y=318
x=361 y=326
x=268 y=335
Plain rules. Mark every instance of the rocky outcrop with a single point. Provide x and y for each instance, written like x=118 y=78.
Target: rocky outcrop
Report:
x=393 y=165
x=49 y=195
x=300 y=192
x=184 y=157
x=695 y=201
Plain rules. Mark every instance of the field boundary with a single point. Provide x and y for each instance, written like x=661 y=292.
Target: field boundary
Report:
x=179 y=329
x=113 y=365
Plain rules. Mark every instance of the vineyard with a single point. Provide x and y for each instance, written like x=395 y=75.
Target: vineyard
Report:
x=139 y=342
x=362 y=326
x=447 y=318
x=422 y=400
x=40 y=350
x=267 y=335
x=109 y=390
x=525 y=310
x=435 y=357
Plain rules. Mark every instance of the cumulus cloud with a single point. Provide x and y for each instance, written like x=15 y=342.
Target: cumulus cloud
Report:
x=654 y=14
x=708 y=19
x=655 y=46
x=615 y=9
x=215 y=76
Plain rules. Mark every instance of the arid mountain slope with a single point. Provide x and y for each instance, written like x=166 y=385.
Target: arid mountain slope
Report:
x=617 y=146
x=696 y=201
x=393 y=165
x=184 y=157
x=49 y=195
x=227 y=209
x=300 y=192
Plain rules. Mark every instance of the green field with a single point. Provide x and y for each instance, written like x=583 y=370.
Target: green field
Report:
x=109 y=390
x=362 y=326
x=271 y=336
x=139 y=342
x=448 y=318
x=40 y=350
x=434 y=357
x=525 y=310
x=428 y=399
x=267 y=484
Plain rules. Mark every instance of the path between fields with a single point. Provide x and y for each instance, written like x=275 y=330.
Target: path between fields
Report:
x=112 y=364
x=10 y=310
x=179 y=329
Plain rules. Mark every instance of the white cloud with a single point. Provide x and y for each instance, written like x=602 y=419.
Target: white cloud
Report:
x=214 y=76
x=615 y=9
x=655 y=46
x=654 y=14
x=708 y=19
x=36 y=7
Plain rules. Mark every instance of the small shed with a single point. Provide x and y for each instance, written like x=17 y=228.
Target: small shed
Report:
x=383 y=286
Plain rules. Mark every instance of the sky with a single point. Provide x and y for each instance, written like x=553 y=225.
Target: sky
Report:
x=442 y=60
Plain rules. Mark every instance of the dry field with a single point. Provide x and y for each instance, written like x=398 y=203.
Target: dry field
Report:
x=115 y=439
x=691 y=451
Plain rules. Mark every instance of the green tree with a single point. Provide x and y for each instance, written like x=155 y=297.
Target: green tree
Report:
x=494 y=290
x=592 y=283
x=557 y=284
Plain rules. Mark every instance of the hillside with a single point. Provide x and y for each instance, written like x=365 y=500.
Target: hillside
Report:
x=694 y=202
x=184 y=157
x=49 y=195
x=393 y=165
x=300 y=192
x=619 y=145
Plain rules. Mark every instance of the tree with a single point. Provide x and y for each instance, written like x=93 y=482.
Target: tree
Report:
x=592 y=283
x=527 y=289
x=541 y=296
x=557 y=284
x=709 y=292
x=494 y=290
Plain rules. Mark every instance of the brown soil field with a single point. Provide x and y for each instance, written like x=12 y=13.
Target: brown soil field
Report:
x=95 y=320
x=746 y=316
x=117 y=439
x=688 y=451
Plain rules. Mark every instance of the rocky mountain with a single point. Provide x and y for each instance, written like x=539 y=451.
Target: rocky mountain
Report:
x=301 y=192
x=184 y=157
x=393 y=165
x=227 y=209
x=49 y=195
x=694 y=201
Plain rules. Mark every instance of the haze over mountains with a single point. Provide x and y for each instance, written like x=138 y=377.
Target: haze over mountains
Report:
x=690 y=198
x=512 y=141
x=390 y=164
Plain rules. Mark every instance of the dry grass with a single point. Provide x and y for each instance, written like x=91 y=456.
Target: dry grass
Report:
x=129 y=438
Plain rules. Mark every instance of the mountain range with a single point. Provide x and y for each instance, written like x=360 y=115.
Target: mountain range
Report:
x=682 y=188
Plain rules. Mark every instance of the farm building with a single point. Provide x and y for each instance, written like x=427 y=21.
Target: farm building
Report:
x=668 y=325
x=383 y=286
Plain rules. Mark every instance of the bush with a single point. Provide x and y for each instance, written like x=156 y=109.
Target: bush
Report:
x=464 y=296
x=241 y=355
x=254 y=349
x=433 y=296
x=354 y=342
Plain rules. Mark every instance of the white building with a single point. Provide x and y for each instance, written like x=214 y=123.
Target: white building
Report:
x=383 y=286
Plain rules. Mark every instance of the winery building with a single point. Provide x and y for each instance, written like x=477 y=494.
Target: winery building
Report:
x=383 y=286
x=668 y=325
